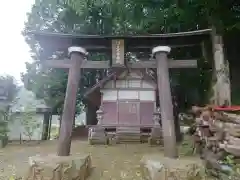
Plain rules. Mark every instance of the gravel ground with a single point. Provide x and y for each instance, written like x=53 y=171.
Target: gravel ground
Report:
x=115 y=162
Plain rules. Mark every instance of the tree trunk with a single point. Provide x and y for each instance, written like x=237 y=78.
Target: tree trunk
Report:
x=222 y=92
x=177 y=127
x=91 y=115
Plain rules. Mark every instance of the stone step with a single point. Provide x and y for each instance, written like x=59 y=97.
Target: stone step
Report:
x=128 y=141
x=128 y=138
x=128 y=134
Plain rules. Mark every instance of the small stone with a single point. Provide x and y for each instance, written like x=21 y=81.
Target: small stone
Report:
x=53 y=167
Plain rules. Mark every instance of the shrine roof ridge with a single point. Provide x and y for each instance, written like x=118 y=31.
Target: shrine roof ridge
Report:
x=39 y=34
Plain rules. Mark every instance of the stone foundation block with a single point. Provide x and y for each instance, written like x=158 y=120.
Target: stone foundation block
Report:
x=97 y=135
x=157 y=167
x=155 y=141
x=53 y=167
x=112 y=140
x=156 y=136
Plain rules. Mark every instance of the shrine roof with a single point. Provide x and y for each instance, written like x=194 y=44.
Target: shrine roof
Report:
x=90 y=42
x=114 y=73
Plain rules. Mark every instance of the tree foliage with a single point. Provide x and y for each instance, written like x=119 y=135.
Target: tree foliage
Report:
x=10 y=89
x=9 y=84
x=29 y=122
x=53 y=16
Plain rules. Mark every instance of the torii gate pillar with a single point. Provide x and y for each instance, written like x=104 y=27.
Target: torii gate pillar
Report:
x=77 y=55
x=165 y=98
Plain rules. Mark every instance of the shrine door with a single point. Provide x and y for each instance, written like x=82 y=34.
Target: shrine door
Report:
x=128 y=112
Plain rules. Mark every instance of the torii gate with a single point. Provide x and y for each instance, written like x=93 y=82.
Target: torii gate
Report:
x=78 y=47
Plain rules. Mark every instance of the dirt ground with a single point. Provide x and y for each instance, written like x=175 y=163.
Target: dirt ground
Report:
x=115 y=162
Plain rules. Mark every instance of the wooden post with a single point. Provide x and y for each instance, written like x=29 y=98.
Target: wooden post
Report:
x=166 y=106
x=77 y=55
x=46 y=125
x=222 y=86
x=50 y=127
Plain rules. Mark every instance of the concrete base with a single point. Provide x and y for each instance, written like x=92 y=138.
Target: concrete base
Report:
x=52 y=167
x=157 y=167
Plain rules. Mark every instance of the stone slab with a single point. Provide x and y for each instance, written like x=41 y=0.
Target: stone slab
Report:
x=53 y=167
x=158 y=167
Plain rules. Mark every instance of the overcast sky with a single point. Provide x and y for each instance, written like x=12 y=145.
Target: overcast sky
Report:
x=14 y=50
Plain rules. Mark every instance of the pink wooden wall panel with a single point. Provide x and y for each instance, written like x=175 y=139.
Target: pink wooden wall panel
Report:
x=110 y=113
x=128 y=113
x=146 y=113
